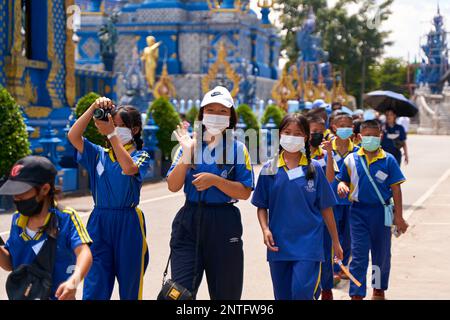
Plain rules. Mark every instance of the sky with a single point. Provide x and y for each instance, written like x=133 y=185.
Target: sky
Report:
x=409 y=22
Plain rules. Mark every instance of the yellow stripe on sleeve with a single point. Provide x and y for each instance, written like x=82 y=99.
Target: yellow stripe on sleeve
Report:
x=142 y=158
x=399 y=182
x=79 y=226
x=248 y=162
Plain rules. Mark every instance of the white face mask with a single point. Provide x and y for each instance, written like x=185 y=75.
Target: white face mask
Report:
x=215 y=124
x=292 y=143
x=124 y=134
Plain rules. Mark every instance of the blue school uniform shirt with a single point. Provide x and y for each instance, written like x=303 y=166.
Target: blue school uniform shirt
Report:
x=24 y=248
x=237 y=167
x=110 y=187
x=321 y=156
x=384 y=170
x=294 y=207
x=339 y=159
x=390 y=134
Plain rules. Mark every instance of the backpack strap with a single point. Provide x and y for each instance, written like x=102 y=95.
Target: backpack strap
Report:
x=374 y=185
x=47 y=255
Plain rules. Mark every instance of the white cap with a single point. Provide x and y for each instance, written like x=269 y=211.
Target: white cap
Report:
x=219 y=95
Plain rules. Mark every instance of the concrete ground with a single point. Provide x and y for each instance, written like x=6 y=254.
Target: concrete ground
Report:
x=420 y=258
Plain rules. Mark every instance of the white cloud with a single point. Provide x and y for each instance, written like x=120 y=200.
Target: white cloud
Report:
x=410 y=21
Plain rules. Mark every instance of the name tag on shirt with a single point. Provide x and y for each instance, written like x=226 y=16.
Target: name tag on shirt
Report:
x=381 y=176
x=392 y=136
x=295 y=173
x=337 y=158
x=322 y=162
x=100 y=168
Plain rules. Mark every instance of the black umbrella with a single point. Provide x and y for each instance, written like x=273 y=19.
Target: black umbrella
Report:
x=382 y=100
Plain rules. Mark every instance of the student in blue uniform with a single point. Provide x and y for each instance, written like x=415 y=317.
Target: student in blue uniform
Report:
x=394 y=137
x=294 y=199
x=116 y=224
x=220 y=174
x=32 y=184
x=369 y=221
x=323 y=111
x=320 y=149
x=342 y=146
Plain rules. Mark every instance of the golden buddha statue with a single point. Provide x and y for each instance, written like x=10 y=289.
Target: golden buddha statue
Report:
x=150 y=57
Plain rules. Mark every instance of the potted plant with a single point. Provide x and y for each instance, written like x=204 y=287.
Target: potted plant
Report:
x=249 y=118
x=13 y=137
x=167 y=119
x=91 y=134
x=274 y=112
x=192 y=114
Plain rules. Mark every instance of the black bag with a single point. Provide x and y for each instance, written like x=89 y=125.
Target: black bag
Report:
x=34 y=281
x=171 y=290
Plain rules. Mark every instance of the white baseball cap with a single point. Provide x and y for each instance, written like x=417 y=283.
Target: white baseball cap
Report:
x=219 y=95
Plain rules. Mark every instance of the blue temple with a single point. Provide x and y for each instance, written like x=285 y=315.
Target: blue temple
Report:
x=52 y=53
x=434 y=69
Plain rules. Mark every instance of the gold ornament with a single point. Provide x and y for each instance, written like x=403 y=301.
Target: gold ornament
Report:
x=338 y=92
x=215 y=6
x=70 y=63
x=265 y=4
x=30 y=90
x=221 y=64
x=164 y=87
x=283 y=90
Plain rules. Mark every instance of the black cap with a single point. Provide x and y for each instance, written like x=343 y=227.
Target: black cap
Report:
x=29 y=172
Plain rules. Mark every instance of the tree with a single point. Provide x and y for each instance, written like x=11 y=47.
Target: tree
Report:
x=248 y=116
x=13 y=133
x=192 y=114
x=274 y=112
x=91 y=133
x=167 y=119
x=354 y=41
x=390 y=75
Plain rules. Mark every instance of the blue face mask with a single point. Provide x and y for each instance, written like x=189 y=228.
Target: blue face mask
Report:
x=344 y=133
x=370 y=143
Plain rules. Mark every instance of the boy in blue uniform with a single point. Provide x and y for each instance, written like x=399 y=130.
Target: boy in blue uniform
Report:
x=320 y=149
x=207 y=230
x=342 y=146
x=394 y=137
x=32 y=183
x=116 y=224
x=369 y=220
x=294 y=199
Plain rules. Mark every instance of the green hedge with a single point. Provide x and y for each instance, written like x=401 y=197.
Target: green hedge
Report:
x=167 y=119
x=91 y=132
x=274 y=112
x=13 y=133
x=248 y=116
x=192 y=114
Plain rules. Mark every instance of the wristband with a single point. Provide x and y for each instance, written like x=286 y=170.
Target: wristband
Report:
x=114 y=133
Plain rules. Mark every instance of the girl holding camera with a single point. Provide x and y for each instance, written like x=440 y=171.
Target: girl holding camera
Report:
x=116 y=224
